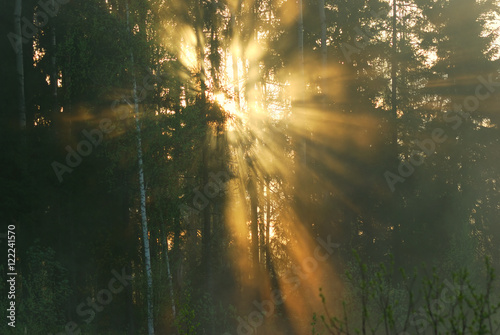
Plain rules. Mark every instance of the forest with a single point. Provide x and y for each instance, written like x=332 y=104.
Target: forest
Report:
x=223 y=167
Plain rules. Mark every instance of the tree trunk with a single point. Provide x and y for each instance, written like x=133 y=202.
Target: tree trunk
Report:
x=214 y=40
x=200 y=51
x=54 y=66
x=234 y=56
x=20 y=65
x=206 y=239
x=252 y=188
x=302 y=76
x=142 y=188
x=394 y=78
x=301 y=39
x=144 y=219
x=130 y=304
x=324 y=54
x=262 y=235
x=176 y=259
x=268 y=227
x=169 y=273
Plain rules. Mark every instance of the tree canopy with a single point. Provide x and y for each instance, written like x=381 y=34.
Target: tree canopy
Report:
x=206 y=166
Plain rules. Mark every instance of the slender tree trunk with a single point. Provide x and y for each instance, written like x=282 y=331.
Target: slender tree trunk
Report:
x=322 y=17
x=262 y=235
x=301 y=39
x=130 y=304
x=236 y=80
x=56 y=115
x=252 y=188
x=176 y=247
x=54 y=66
x=302 y=74
x=394 y=77
x=234 y=56
x=200 y=51
x=20 y=66
x=169 y=273
x=129 y=237
x=268 y=227
x=206 y=239
x=214 y=39
x=206 y=222
x=142 y=188
x=324 y=54
x=251 y=99
x=403 y=63
x=253 y=73
x=144 y=219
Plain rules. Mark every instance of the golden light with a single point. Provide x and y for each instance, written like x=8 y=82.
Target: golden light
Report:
x=274 y=122
x=187 y=48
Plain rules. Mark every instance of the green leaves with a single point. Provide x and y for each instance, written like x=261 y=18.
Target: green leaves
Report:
x=44 y=291
x=373 y=300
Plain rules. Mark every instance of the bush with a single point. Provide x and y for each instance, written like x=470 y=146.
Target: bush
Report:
x=44 y=290
x=373 y=304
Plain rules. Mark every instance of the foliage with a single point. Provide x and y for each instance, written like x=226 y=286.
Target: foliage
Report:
x=44 y=291
x=417 y=304
x=304 y=133
x=186 y=320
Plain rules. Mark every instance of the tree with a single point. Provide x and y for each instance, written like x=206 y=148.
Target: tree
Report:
x=19 y=64
x=142 y=190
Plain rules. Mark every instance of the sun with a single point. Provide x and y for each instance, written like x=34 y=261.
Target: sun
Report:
x=228 y=105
